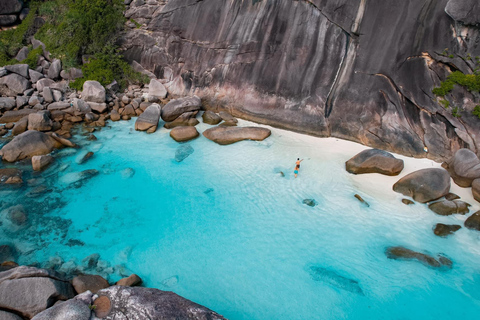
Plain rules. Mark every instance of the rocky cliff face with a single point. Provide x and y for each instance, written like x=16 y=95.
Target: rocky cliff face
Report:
x=361 y=70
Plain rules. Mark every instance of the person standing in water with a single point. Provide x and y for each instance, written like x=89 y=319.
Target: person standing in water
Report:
x=297 y=166
x=298 y=162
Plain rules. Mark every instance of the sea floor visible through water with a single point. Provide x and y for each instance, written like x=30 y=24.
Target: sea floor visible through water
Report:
x=227 y=227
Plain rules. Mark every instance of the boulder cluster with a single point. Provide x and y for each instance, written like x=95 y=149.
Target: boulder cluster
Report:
x=11 y=12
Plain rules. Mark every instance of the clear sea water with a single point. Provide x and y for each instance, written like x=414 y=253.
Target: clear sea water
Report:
x=225 y=229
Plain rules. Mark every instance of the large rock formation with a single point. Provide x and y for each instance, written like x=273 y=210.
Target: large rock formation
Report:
x=362 y=70
x=424 y=185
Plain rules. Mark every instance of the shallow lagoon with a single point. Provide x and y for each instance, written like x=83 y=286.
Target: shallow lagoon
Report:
x=225 y=229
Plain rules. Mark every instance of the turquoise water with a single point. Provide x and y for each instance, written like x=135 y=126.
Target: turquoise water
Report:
x=225 y=229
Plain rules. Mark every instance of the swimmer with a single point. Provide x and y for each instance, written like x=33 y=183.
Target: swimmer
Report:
x=295 y=172
x=298 y=162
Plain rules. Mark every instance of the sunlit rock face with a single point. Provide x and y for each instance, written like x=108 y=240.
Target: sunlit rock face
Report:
x=362 y=70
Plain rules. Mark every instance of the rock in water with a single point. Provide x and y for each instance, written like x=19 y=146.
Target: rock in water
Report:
x=176 y=107
x=229 y=135
x=183 y=152
x=41 y=162
x=131 y=281
x=473 y=222
x=424 y=185
x=447 y=207
x=127 y=173
x=93 y=91
x=210 y=117
x=374 y=161
x=85 y=282
x=310 y=202
x=129 y=302
x=464 y=167
x=182 y=134
x=401 y=253
x=361 y=200
x=334 y=279
x=148 y=120
x=443 y=230
x=10 y=176
x=26 y=145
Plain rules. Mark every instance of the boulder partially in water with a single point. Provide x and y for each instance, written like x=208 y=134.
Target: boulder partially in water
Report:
x=10 y=176
x=464 y=167
x=401 y=253
x=130 y=281
x=447 y=207
x=473 y=222
x=26 y=145
x=184 y=133
x=443 y=230
x=148 y=120
x=374 y=161
x=229 y=135
x=120 y=302
x=89 y=282
x=424 y=185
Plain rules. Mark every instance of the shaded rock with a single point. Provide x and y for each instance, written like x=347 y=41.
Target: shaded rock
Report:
x=98 y=107
x=374 y=161
x=71 y=74
x=41 y=162
x=45 y=82
x=6 y=20
x=210 y=117
x=20 y=69
x=332 y=278
x=35 y=100
x=15 y=115
x=10 y=176
x=227 y=117
x=181 y=134
x=443 y=230
x=464 y=167
x=129 y=302
x=7 y=253
x=47 y=95
x=401 y=253
x=7 y=104
x=88 y=282
x=424 y=185
x=93 y=91
x=310 y=202
x=473 y=222
x=447 y=207
x=131 y=281
x=115 y=116
x=10 y=6
x=13 y=84
x=361 y=200
x=8 y=316
x=70 y=310
x=81 y=106
x=476 y=189
x=26 y=145
x=465 y=11
x=183 y=152
x=156 y=90
x=22 y=54
x=21 y=101
x=40 y=121
x=407 y=201
x=148 y=120
x=91 y=260
x=452 y=196
x=35 y=76
x=54 y=70
x=185 y=119
x=176 y=107
x=229 y=135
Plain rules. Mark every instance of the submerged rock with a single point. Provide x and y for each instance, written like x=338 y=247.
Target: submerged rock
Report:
x=127 y=173
x=374 y=161
x=424 y=185
x=10 y=176
x=229 y=135
x=407 y=201
x=310 y=202
x=447 y=207
x=443 y=230
x=401 y=253
x=7 y=253
x=120 y=302
x=334 y=279
x=183 y=152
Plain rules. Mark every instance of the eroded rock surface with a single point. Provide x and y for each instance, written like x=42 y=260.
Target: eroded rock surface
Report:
x=464 y=167
x=26 y=145
x=176 y=107
x=229 y=135
x=148 y=120
x=424 y=185
x=374 y=161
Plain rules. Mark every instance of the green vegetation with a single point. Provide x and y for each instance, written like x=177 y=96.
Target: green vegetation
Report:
x=138 y=25
x=74 y=29
x=476 y=111
x=469 y=81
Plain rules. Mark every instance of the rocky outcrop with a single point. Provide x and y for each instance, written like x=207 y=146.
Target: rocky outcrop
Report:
x=447 y=207
x=70 y=310
x=156 y=91
x=401 y=253
x=473 y=222
x=424 y=185
x=41 y=162
x=464 y=167
x=13 y=84
x=176 y=107
x=443 y=230
x=137 y=303
x=89 y=282
x=320 y=67
x=229 y=135
x=476 y=189
x=148 y=120
x=26 y=145
x=182 y=134
x=374 y=161
x=40 y=121
x=210 y=117
x=93 y=91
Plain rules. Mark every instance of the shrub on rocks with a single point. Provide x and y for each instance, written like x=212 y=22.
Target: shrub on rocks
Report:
x=424 y=185
x=464 y=167
x=374 y=161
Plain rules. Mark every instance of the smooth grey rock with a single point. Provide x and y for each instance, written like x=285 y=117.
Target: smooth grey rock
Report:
x=93 y=91
x=424 y=185
x=156 y=89
x=81 y=106
x=20 y=69
x=26 y=145
x=3 y=71
x=374 y=161
x=34 y=100
x=57 y=95
x=58 y=106
x=69 y=310
x=71 y=74
x=45 y=82
x=465 y=11
x=13 y=84
x=464 y=167
x=55 y=68
x=35 y=76
x=229 y=135
x=7 y=104
x=15 y=115
x=47 y=94
x=9 y=316
x=227 y=117
x=148 y=120
x=176 y=107
x=10 y=6
x=21 y=101
x=22 y=54
x=135 y=302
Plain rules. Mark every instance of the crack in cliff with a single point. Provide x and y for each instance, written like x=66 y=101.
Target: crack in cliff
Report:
x=326 y=16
